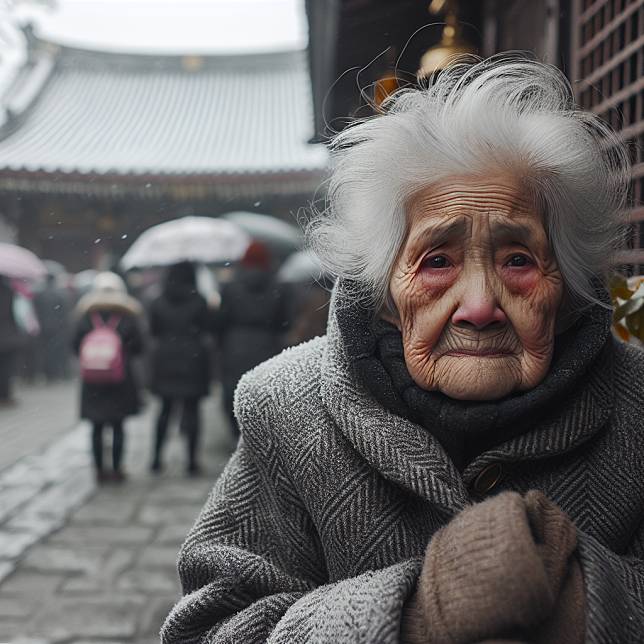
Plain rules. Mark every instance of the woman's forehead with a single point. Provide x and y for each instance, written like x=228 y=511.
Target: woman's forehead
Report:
x=497 y=207
x=503 y=193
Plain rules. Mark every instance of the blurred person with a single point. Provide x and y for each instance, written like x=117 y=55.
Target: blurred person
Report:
x=461 y=457
x=107 y=339
x=52 y=305
x=24 y=310
x=180 y=322
x=311 y=312
x=251 y=321
x=10 y=341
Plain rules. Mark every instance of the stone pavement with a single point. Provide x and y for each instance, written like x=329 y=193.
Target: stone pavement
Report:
x=85 y=565
x=43 y=413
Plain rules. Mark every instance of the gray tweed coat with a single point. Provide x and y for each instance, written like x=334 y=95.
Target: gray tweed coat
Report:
x=316 y=530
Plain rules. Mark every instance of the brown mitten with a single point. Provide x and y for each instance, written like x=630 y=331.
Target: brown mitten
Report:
x=556 y=539
x=499 y=568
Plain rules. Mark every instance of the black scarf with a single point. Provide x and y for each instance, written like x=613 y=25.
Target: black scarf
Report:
x=466 y=429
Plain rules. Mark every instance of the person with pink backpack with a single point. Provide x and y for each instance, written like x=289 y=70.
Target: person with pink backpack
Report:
x=107 y=338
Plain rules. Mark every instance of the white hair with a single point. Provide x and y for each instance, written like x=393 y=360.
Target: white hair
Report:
x=501 y=114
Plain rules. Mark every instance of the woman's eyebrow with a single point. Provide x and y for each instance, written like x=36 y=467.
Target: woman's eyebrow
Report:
x=504 y=232
x=438 y=234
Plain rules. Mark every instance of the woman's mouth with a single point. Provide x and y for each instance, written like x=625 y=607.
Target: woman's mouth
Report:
x=478 y=353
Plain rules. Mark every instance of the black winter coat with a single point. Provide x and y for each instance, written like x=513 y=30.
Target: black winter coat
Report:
x=106 y=403
x=251 y=323
x=179 y=324
x=10 y=337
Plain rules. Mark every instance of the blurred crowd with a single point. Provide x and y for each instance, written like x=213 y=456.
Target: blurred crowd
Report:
x=172 y=332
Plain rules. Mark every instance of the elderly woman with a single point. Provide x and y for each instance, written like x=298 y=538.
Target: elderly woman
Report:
x=460 y=459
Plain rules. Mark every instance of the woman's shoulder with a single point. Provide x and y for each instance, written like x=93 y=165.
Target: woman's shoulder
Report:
x=287 y=379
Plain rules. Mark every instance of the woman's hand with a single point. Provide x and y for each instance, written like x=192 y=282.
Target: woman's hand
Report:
x=502 y=570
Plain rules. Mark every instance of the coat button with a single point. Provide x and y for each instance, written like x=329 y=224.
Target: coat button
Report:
x=487 y=479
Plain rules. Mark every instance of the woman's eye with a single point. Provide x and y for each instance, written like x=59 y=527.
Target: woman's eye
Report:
x=517 y=261
x=437 y=261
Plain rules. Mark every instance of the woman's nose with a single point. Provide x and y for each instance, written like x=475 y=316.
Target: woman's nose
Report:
x=478 y=309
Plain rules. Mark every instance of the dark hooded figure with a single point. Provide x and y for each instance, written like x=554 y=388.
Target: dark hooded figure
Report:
x=251 y=321
x=179 y=324
x=10 y=341
x=53 y=309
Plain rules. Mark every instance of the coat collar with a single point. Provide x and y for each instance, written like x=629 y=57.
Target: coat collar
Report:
x=408 y=455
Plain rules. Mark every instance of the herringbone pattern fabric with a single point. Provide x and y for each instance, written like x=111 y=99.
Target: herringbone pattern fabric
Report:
x=316 y=530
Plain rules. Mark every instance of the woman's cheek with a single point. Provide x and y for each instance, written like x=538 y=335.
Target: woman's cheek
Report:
x=435 y=281
x=429 y=324
x=533 y=301
x=521 y=281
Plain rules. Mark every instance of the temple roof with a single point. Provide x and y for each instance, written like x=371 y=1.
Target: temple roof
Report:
x=76 y=112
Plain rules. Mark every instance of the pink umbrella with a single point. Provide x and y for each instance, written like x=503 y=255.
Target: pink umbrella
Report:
x=20 y=263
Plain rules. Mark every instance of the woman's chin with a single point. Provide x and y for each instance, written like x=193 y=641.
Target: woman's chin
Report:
x=478 y=378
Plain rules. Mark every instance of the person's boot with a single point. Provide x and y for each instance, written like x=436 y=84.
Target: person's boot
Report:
x=193 y=469
x=118 y=476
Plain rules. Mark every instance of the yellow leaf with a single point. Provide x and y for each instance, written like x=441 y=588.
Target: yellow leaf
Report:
x=622 y=332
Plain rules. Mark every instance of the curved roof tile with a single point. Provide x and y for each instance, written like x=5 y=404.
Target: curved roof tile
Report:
x=102 y=113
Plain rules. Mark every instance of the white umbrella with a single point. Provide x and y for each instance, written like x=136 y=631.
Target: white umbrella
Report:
x=18 y=262
x=193 y=239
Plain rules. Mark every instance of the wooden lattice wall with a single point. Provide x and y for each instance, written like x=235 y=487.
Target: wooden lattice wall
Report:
x=607 y=68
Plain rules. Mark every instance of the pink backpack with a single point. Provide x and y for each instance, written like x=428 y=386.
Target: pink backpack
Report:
x=101 y=353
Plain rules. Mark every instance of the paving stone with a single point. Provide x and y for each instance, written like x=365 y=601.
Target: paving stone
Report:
x=36 y=524
x=105 y=572
x=14 y=544
x=149 y=582
x=155 y=612
x=6 y=568
x=96 y=618
x=12 y=630
x=101 y=642
x=157 y=557
x=60 y=500
x=56 y=559
x=27 y=470
x=91 y=534
x=119 y=560
x=164 y=514
x=43 y=415
x=12 y=497
x=104 y=511
x=99 y=580
x=14 y=608
x=30 y=584
x=168 y=492
x=173 y=535
x=84 y=585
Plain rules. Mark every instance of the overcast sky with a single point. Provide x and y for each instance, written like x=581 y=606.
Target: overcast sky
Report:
x=175 y=26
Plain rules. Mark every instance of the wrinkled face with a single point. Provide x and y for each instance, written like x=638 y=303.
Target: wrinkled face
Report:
x=477 y=289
